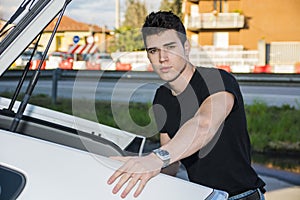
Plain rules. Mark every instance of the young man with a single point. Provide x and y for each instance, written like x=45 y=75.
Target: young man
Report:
x=200 y=114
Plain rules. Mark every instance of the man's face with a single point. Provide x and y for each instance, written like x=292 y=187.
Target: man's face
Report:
x=167 y=54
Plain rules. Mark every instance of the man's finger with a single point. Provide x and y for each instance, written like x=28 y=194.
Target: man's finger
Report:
x=124 y=178
x=141 y=186
x=115 y=175
x=130 y=185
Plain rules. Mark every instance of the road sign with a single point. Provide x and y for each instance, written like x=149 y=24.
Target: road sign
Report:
x=76 y=39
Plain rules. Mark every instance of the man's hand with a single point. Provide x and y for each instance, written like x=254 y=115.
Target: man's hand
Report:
x=135 y=170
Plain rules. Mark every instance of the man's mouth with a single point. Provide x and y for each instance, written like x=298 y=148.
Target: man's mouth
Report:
x=165 y=69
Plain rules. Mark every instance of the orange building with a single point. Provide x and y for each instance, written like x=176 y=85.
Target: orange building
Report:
x=263 y=31
x=241 y=22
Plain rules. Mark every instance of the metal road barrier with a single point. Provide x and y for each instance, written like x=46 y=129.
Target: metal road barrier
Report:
x=57 y=74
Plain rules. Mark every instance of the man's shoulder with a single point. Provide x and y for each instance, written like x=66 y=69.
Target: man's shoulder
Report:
x=210 y=69
x=162 y=89
x=213 y=71
x=162 y=94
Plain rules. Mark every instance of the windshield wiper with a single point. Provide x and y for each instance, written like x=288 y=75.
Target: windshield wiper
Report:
x=35 y=77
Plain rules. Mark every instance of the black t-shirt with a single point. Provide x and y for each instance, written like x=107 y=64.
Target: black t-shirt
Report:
x=225 y=162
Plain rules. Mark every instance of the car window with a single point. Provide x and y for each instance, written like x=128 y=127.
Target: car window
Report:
x=104 y=57
x=27 y=54
x=11 y=183
x=57 y=54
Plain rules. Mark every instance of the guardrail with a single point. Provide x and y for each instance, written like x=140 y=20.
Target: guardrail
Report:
x=259 y=78
x=58 y=74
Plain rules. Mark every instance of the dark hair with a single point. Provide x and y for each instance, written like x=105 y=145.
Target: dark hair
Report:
x=157 y=22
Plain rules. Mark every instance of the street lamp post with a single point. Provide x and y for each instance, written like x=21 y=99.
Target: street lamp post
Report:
x=117 y=14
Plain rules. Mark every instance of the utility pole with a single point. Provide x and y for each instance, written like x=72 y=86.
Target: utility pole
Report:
x=117 y=14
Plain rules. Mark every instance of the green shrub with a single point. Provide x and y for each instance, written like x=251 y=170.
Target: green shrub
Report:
x=273 y=128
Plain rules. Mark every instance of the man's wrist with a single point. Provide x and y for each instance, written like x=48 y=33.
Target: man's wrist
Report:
x=163 y=155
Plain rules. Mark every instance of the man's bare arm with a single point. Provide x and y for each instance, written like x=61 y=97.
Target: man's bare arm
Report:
x=200 y=129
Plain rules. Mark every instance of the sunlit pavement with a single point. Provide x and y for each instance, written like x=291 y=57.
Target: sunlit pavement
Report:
x=290 y=193
x=280 y=185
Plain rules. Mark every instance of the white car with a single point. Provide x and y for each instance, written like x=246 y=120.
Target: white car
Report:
x=46 y=154
x=101 y=61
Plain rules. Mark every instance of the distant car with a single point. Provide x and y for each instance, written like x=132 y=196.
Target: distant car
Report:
x=100 y=61
x=23 y=59
x=67 y=61
x=45 y=154
x=56 y=58
x=80 y=61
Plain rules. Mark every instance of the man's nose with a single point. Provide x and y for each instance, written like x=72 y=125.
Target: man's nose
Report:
x=163 y=55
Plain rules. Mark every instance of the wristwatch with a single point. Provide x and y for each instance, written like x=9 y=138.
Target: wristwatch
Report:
x=163 y=155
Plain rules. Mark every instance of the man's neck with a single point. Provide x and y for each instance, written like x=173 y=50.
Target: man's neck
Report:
x=180 y=83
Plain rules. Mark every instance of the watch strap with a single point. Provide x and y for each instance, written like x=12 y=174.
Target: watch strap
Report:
x=163 y=155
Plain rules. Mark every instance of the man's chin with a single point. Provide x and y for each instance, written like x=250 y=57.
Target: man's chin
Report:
x=168 y=77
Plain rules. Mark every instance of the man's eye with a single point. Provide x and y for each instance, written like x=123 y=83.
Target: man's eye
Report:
x=170 y=47
x=152 y=51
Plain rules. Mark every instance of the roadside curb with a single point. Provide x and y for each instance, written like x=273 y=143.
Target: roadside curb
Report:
x=289 y=177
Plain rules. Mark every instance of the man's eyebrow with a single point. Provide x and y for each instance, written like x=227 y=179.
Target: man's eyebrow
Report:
x=168 y=44
x=165 y=45
x=151 y=48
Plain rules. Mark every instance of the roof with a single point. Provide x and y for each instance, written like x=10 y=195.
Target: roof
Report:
x=69 y=24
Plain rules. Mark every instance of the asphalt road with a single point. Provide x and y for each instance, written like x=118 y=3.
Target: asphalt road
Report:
x=143 y=91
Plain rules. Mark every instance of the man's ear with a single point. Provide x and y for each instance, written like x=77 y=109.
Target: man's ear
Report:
x=187 y=48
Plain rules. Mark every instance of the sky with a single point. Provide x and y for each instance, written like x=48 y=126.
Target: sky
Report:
x=99 y=12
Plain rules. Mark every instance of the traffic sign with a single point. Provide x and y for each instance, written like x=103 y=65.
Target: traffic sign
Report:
x=76 y=39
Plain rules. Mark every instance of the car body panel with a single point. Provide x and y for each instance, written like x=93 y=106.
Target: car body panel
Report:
x=53 y=171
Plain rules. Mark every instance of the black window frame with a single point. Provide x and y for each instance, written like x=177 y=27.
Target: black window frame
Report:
x=12 y=183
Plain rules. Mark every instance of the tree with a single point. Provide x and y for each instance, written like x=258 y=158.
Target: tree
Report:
x=135 y=14
x=128 y=36
x=173 y=5
x=176 y=7
x=165 y=5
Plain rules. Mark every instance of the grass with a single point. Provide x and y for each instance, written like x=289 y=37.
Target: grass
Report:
x=271 y=129
x=275 y=129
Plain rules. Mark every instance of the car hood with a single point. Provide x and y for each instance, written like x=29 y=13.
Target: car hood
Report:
x=27 y=29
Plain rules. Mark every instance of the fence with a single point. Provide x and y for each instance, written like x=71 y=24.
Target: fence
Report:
x=285 y=57
x=238 y=60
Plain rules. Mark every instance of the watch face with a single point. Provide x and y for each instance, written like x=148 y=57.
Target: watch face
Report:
x=163 y=154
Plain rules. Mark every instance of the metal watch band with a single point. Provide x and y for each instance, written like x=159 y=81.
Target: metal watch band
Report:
x=163 y=155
